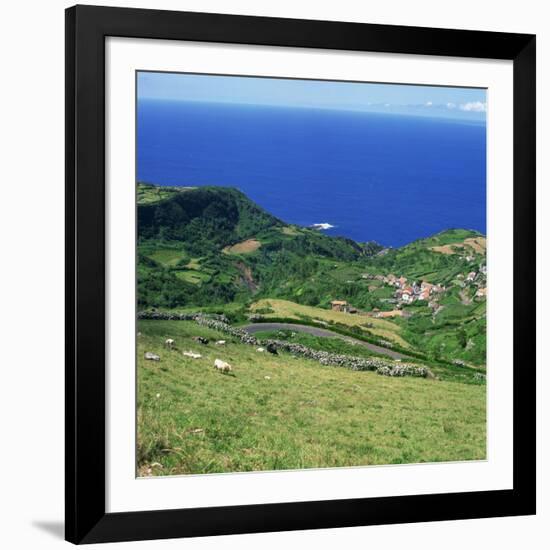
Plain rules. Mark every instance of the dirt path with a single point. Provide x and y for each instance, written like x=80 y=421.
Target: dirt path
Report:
x=322 y=332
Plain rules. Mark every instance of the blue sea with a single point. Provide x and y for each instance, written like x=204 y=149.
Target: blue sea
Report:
x=388 y=178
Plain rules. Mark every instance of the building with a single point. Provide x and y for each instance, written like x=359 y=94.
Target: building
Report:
x=340 y=305
x=407 y=295
x=424 y=294
x=401 y=282
x=471 y=277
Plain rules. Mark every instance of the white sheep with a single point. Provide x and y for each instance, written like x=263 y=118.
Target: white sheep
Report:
x=169 y=343
x=192 y=354
x=222 y=366
x=220 y=343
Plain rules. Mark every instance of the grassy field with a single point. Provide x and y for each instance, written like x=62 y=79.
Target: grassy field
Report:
x=149 y=194
x=279 y=412
x=194 y=277
x=245 y=247
x=290 y=310
x=476 y=245
x=166 y=256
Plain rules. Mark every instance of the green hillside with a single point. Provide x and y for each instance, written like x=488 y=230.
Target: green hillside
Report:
x=213 y=249
x=188 y=248
x=342 y=353
x=279 y=411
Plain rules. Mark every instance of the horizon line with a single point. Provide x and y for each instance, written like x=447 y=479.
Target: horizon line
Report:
x=478 y=121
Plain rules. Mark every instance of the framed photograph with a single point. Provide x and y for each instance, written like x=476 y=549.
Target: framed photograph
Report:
x=300 y=273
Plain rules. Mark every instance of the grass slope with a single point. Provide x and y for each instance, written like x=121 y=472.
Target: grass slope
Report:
x=192 y=419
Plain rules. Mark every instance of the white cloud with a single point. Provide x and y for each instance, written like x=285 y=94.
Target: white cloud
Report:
x=475 y=106
x=429 y=103
x=451 y=105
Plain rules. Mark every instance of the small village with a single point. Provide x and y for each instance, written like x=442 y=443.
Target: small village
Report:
x=473 y=286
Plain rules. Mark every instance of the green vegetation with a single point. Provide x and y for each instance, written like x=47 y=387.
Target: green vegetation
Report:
x=242 y=249
x=283 y=309
x=212 y=250
x=279 y=412
x=418 y=260
x=149 y=194
x=211 y=247
x=332 y=345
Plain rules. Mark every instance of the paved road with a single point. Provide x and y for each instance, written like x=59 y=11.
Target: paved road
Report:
x=316 y=331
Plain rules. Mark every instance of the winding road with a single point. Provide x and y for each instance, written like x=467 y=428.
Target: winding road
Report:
x=323 y=332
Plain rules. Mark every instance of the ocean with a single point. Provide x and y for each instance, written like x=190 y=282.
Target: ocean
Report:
x=388 y=178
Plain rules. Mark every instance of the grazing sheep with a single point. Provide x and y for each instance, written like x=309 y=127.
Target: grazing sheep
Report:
x=220 y=343
x=151 y=356
x=200 y=340
x=192 y=355
x=261 y=350
x=169 y=343
x=222 y=366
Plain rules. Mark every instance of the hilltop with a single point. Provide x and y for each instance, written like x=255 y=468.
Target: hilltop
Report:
x=216 y=237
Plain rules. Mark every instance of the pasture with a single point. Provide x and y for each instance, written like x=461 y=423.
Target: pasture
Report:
x=275 y=412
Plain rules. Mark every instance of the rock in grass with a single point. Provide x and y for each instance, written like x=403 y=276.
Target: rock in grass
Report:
x=220 y=343
x=150 y=356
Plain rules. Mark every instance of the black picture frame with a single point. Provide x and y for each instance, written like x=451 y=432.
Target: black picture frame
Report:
x=86 y=30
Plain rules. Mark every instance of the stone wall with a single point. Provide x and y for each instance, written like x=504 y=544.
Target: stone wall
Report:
x=220 y=323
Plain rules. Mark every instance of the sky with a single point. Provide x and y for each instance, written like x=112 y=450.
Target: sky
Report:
x=426 y=101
